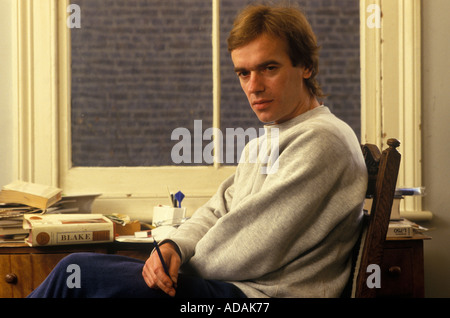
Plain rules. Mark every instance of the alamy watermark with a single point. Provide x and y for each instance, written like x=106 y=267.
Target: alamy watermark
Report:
x=374 y=279
x=374 y=19
x=74 y=19
x=74 y=279
x=263 y=146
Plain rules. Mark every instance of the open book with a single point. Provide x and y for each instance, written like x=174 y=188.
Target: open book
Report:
x=31 y=194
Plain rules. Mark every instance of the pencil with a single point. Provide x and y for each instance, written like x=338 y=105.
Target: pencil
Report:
x=166 y=270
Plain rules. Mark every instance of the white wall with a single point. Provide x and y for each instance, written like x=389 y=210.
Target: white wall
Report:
x=6 y=93
x=436 y=143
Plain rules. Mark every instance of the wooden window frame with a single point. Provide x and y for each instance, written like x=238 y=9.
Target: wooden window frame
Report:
x=391 y=88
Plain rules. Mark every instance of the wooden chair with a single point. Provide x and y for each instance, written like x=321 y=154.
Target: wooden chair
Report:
x=383 y=171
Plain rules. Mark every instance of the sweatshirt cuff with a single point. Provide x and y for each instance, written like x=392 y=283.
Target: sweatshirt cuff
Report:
x=175 y=245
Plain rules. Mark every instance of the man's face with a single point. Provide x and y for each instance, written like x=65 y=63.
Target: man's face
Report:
x=275 y=89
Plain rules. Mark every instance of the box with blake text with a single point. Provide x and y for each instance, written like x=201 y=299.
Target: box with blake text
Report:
x=65 y=229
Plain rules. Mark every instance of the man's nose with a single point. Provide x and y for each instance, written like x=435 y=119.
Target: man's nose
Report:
x=256 y=83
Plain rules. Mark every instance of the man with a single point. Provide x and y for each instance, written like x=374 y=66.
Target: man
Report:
x=288 y=233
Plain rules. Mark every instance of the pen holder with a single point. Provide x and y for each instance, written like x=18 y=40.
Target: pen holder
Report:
x=166 y=215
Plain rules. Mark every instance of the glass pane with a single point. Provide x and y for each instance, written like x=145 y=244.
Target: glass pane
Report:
x=336 y=26
x=140 y=69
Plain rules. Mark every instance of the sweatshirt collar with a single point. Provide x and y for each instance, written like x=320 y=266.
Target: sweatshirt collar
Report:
x=299 y=119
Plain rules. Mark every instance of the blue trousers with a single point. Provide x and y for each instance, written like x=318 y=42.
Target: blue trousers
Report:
x=91 y=275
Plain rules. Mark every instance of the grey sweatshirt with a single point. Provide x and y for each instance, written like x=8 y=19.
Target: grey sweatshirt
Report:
x=289 y=232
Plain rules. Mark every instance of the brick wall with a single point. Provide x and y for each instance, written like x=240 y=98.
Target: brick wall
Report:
x=141 y=68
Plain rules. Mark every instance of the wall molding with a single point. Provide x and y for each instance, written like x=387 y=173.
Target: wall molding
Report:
x=36 y=112
x=391 y=85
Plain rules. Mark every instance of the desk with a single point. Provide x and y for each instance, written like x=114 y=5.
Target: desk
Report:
x=23 y=268
x=402 y=268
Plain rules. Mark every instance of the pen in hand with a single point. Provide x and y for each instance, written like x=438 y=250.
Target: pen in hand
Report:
x=166 y=270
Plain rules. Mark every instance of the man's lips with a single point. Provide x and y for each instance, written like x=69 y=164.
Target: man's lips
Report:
x=261 y=104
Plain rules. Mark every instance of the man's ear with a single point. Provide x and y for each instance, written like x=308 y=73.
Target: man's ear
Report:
x=307 y=72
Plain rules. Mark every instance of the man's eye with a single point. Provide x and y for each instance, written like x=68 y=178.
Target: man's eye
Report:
x=271 y=68
x=243 y=74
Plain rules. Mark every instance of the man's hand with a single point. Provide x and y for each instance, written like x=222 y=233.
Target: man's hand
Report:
x=153 y=271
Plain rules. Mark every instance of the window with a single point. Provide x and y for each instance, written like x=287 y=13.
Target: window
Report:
x=142 y=69
x=139 y=70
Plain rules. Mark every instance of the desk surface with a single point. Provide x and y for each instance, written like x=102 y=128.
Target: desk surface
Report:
x=415 y=237
x=19 y=247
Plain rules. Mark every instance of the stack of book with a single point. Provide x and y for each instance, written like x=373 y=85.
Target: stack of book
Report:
x=399 y=226
x=11 y=219
x=40 y=215
x=21 y=198
x=404 y=228
x=23 y=203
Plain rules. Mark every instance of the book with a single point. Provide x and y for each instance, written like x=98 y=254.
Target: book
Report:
x=404 y=228
x=81 y=203
x=12 y=228
x=66 y=229
x=11 y=219
x=419 y=191
x=399 y=229
x=15 y=238
x=31 y=194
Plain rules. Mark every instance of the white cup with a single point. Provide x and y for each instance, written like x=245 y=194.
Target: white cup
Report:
x=167 y=215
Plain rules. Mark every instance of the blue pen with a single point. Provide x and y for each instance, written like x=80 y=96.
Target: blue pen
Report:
x=179 y=196
x=166 y=270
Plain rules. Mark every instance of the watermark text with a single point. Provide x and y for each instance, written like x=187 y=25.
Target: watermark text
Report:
x=74 y=19
x=374 y=19
x=74 y=279
x=263 y=146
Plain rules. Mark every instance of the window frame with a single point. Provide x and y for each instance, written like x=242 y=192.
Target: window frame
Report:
x=391 y=89
x=42 y=117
